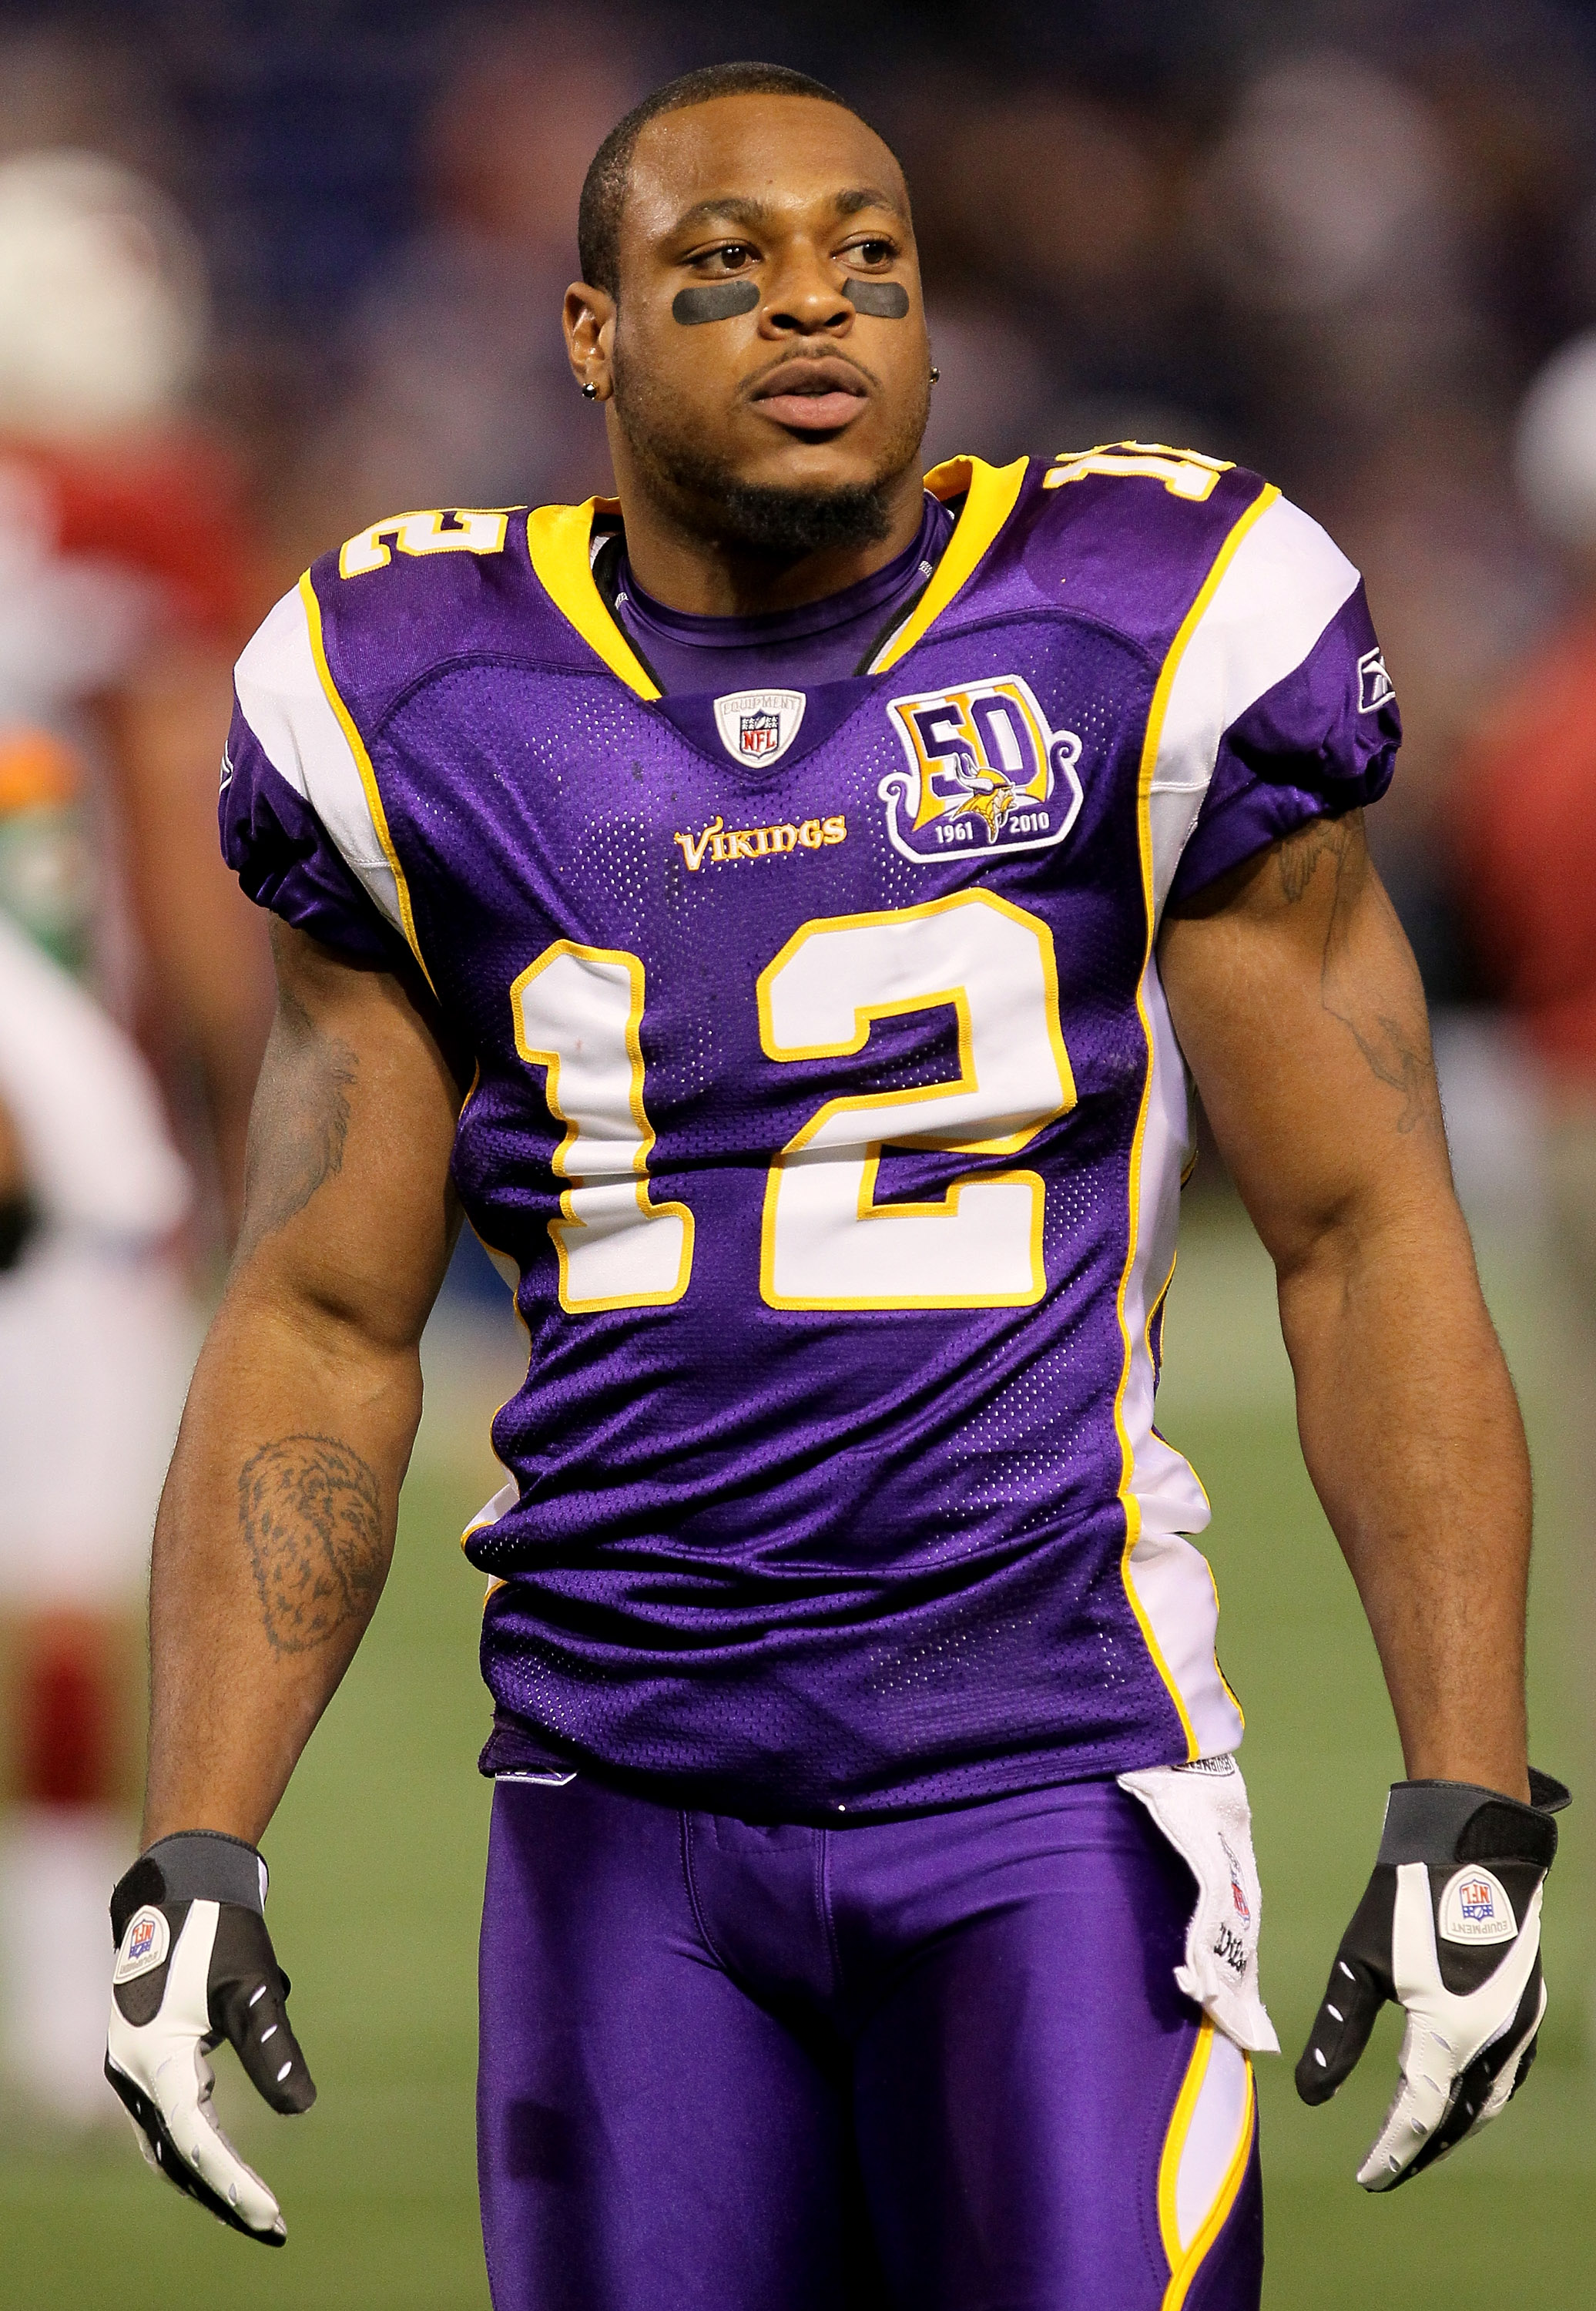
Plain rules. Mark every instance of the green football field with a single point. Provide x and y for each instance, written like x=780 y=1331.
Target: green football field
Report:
x=378 y=1855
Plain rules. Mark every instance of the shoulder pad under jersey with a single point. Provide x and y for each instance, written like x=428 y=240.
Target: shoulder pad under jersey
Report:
x=418 y=591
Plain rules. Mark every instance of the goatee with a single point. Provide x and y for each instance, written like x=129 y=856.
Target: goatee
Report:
x=774 y=523
x=765 y=521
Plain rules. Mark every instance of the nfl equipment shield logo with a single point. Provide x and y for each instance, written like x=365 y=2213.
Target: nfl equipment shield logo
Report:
x=144 y=1947
x=758 y=725
x=1237 y=1895
x=758 y=733
x=1475 y=1908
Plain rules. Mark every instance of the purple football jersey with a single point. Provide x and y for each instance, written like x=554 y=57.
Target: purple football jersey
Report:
x=826 y=1102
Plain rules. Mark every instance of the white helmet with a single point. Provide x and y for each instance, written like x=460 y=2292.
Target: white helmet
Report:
x=103 y=302
x=1554 y=447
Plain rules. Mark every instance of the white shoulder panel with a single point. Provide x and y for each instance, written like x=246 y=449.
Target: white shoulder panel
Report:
x=1285 y=583
x=284 y=699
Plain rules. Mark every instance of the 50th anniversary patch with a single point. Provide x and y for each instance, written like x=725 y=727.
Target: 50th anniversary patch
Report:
x=984 y=771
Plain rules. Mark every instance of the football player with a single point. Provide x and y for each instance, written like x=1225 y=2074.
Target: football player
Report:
x=780 y=908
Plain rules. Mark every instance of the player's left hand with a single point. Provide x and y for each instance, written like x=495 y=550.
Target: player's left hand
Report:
x=195 y=1965
x=1449 y=1929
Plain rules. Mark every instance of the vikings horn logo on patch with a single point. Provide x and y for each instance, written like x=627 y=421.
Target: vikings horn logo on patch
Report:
x=985 y=773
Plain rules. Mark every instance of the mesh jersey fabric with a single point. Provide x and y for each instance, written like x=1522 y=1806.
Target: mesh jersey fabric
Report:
x=829 y=1109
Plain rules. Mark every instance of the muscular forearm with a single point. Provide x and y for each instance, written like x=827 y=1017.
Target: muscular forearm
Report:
x=1299 y=1006
x=275 y=1537
x=1412 y=1437
x=273 y=1543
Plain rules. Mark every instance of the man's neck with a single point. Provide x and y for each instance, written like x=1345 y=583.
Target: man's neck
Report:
x=678 y=564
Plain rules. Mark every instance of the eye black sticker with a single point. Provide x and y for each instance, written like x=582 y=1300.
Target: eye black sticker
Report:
x=717 y=301
x=884 y=301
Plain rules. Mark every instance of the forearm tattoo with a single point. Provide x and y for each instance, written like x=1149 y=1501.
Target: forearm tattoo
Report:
x=299 y=1124
x=309 y=1511
x=1390 y=1050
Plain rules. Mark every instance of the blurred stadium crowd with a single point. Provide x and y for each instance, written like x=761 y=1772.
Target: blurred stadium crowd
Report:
x=268 y=272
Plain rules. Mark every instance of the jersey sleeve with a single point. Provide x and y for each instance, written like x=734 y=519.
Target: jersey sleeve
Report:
x=1281 y=710
x=283 y=857
x=296 y=820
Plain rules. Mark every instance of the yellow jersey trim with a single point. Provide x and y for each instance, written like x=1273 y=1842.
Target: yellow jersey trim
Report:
x=1151 y=743
x=560 y=541
x=1184 y=2263
x=1155 y=1304
x=368 y=776
x=991 y=492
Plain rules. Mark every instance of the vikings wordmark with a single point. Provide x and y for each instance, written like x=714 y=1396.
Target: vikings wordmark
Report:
x=723 y=846
x=984 y=769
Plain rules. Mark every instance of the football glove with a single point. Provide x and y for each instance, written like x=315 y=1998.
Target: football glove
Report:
x=1449 y=1928
x=195 y=1965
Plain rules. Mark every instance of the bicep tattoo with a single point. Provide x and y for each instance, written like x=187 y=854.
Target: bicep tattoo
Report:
x=310 y=1513
x=1394 y=1044
x=299 y=1123
x=1297 y=856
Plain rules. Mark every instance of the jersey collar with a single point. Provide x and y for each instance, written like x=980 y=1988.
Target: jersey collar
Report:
x=559 y=541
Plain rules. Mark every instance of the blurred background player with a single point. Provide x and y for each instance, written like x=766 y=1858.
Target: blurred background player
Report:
x=121 y=961
x=1527 y=842
x=1526 y=853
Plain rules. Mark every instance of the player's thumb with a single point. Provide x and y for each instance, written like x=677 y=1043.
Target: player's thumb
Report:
x=249 y=2007
x=1340 y=2029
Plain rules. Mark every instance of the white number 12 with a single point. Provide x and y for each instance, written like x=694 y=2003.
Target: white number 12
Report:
x=825 y=1243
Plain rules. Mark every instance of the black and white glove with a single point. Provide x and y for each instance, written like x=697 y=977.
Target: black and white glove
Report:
x=1449 y=1928
x=195 y=1965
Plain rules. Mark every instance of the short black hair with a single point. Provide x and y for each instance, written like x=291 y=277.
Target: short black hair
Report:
x=604 y=188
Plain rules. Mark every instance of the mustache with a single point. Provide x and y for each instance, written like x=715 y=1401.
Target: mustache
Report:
x=750 y=386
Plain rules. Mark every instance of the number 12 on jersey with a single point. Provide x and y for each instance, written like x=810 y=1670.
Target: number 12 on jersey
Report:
x=825 y=1243
x=579 y=1012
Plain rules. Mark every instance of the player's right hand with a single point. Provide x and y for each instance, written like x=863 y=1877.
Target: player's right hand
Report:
x=195 y=1965
x=1449 y=1928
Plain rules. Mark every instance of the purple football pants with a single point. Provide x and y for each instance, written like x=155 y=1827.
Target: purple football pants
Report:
x=938 y=2064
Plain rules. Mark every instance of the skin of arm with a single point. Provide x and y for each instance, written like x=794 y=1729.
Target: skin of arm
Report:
x=276 y=1525
x=211 y=980
x=13 y=1180
x=15 y=1214
x=1298 y=1005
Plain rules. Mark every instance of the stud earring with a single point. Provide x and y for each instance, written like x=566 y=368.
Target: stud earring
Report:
x=589 y=393
x=935 y=373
